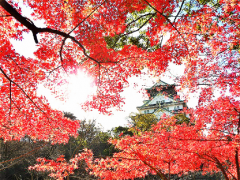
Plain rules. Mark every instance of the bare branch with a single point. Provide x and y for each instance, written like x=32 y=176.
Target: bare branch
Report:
x=179 y=12
x=140 y=18
x=87 y=17
x=60 y=53
x=10 y=98
x=54 y=70
x=237 y=163
x=158 y=171
x=131 y=32
x=221 y=168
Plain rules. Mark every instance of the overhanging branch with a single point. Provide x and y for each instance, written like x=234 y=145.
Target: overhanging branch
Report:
x=35 y=30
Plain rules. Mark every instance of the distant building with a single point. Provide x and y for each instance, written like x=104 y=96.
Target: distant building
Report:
x=162 y=100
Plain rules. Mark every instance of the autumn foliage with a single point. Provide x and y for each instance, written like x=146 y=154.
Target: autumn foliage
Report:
x=113 y=40
x=59 y=168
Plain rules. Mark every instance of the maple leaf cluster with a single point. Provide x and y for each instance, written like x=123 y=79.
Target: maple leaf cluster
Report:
x=59 y=168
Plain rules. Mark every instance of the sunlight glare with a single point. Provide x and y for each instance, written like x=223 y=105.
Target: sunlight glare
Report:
x=75 y=90
x=80 y=86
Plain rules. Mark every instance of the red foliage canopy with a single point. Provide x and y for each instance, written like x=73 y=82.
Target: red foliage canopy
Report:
x=97 y=36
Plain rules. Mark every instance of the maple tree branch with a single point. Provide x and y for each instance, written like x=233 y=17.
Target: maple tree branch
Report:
x=19 y=109
x=99 y=74
x=219 y=165
x=12 y=164
x=63 y=34
x=18 y=65
x=215 y=161
x=131 y=32
x=35 y=30
x=159 y=172
x=233 y=177
x=60 y=53
x=20 y=18
x=237 y=163
x=131 y=159
x=186 y=45
x=161 y=41
x=219 y=130
x=133 y=21
x=49 y=73
x=194 y=152
x=86 y=17
x=179 y=12
x=192 y=15
x=221 y=168
x=24 y=92
x=10 y=98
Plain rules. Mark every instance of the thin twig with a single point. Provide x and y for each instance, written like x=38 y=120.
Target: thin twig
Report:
x=186 y=45
x=178 y=12
x=131 y=32
x=10 y=98
x=24 y=92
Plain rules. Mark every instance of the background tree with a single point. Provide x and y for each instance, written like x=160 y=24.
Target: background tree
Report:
x=92 y=137
x=17 y=156
x=121 y=131
x=182 y=118
x=143 y=122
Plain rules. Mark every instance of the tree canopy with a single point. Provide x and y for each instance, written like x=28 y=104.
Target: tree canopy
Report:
x=113 y=40
x=143 y=122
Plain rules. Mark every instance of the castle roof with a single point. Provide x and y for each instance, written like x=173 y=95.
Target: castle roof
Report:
x=160 y=83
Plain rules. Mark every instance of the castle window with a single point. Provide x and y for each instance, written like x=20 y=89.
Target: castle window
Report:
x=176 y=107
x=146 y=111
